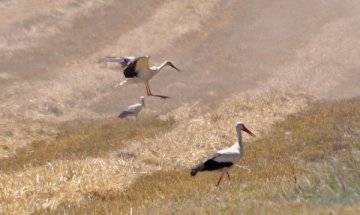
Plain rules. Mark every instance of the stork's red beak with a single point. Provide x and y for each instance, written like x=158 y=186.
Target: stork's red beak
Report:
x=172 y=65
x=248 y=131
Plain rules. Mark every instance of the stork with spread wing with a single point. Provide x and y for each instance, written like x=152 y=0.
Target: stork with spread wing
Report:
x=137 y=70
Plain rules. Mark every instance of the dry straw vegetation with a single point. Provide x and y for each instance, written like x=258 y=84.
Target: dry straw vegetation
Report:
x=306 y=162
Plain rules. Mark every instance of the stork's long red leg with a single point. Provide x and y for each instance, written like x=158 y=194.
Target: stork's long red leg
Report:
x=228 y=175
x=150 y=94
x=147 y=90
x=220 y=179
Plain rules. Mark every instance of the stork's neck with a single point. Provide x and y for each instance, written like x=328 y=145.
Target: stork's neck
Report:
x=239 y=140
x=158 y=68
x=142 y=102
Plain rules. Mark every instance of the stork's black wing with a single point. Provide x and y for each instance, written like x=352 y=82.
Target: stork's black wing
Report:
x=211 y=164
x=139 y=64
x=131 y=65
x=130 y=70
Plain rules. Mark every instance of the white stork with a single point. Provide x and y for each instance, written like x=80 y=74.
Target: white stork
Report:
x=225 y=158
x=137 y=70
x=133 y=110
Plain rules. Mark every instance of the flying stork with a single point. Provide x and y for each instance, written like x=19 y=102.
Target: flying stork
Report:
x=137 y=70
x=133 y=110
x=225 y=158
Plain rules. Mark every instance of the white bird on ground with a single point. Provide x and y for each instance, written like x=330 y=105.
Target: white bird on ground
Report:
x=133 y=110
x=137 y=70
x=224 y=159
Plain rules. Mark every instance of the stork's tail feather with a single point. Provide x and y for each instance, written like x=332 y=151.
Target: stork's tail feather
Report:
x=197 y=169
x=124 y=114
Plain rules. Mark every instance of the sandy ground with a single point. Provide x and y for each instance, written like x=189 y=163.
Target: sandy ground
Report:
x=49 y=69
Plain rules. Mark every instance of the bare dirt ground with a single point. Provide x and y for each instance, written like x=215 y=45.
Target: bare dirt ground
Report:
x=266 y=57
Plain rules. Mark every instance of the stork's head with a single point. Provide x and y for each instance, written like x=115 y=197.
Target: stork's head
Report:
x=142 y=100
x=241 y=127
x=172 y=65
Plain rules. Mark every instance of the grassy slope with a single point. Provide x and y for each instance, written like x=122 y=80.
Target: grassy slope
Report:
x=307 y=164
x=86 y=139
x=86 y=157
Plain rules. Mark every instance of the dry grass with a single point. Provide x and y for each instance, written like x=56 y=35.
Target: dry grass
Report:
x=109 y=167
x=308 y=164
x=93 y=160
x=47 y=173
x=79 y=141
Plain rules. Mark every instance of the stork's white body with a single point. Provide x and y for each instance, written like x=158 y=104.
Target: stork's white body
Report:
x=143 y=77
x=133 y=110
x=231 y=154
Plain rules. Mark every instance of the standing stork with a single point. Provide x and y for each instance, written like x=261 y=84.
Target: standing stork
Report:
x=137 y=70
x=133 y=110
x=225 y=158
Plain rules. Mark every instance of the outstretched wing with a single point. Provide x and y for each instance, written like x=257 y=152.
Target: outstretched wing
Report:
x=140 y=64
x=131 y=65
x=123 y=61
